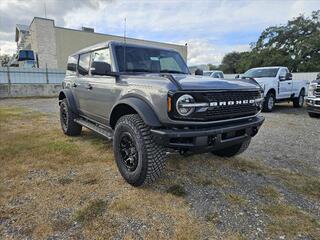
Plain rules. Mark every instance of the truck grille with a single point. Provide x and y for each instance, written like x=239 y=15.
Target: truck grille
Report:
x=317 y=91
x=227 y=111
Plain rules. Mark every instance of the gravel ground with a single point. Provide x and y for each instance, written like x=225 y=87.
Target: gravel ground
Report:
x=287 y=142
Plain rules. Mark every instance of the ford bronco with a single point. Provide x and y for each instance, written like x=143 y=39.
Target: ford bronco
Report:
x=146 y=100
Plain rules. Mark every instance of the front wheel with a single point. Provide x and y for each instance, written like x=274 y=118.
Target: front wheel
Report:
x=298 y=101
x=269 y=102
x=67 y=117
x=139 y=159
x=233 y=150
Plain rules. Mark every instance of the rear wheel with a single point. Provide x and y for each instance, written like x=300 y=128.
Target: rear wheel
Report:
x=139 y=159
x=233 y=150
x=269 y=102
x=298 y=101
x=314 y=115
x=68 y=125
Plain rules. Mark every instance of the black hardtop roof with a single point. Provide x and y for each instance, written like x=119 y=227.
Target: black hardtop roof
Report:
x=117 y=43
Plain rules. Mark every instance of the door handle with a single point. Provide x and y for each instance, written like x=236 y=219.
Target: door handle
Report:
x=89 y=86
x=289 y=82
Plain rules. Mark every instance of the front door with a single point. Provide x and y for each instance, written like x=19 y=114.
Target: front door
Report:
x=104 y=89
x=285 y=85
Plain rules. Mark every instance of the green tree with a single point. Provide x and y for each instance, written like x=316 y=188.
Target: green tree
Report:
x=229 y=62
x=298 y=40
x=4 y=60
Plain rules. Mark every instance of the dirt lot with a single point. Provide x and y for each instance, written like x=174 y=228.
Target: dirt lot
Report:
x=58 y=187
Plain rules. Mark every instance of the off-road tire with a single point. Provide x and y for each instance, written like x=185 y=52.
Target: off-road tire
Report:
x=233 y=150
x=266 y=107
x=314 y=115
x=68 y=125
x=298 y=101
x=151 y=156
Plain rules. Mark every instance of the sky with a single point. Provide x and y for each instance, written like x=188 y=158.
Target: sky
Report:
x=210 y=28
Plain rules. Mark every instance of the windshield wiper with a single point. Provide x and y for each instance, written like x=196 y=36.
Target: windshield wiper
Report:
x=171 y=71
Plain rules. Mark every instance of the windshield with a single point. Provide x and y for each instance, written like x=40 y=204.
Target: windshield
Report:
x=140 y=59
x=25 y=55
x=261 y=72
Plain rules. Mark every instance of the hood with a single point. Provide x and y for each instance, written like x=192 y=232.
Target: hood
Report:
x=192 y=82
x=264 y=80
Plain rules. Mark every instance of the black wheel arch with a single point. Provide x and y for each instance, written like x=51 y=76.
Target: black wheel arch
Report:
x=132 y=105
x=272 y=90
x=67 y=93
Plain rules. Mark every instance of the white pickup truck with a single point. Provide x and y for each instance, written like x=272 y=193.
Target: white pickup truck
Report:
x=278 y=86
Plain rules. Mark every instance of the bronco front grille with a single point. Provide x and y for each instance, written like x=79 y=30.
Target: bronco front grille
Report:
x=317 y=91
x=223 y=112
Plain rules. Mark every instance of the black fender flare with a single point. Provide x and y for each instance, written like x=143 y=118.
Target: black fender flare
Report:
x=70 y=99
x=144 y=110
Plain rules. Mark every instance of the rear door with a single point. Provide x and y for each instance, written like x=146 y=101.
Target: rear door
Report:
x=81 y=85
x=285 y=85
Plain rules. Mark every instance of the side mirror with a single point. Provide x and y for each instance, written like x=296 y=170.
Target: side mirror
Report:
x=237 y=76
x=100 y=68
x=318 y=76
x=289 y=76
x=198 y=72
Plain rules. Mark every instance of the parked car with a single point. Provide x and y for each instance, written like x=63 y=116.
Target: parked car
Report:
x=214 y=74
x=278 y=86
x=313 y=99
x=146 y=100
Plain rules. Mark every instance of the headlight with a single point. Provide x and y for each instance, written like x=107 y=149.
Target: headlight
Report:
x=183 y=103
x=311 y=90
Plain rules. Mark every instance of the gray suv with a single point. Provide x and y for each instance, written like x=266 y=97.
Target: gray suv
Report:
x=146 y=100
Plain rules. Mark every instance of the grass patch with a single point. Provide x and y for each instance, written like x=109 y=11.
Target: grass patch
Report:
x=307 y=185
x=269 y=192
x=236 y=199
x=177 y=190
x=289 y=221
x=65 y=181
x=95 y=209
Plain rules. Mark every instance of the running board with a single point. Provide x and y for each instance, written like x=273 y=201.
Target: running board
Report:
x=105 y=132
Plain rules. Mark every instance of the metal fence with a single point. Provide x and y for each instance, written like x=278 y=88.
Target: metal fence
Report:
x=14 y=75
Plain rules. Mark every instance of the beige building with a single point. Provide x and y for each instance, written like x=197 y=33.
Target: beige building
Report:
x=54 y=44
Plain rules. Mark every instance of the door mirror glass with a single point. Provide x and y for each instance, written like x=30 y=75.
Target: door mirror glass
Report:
x=289 y=76
x=100 y=68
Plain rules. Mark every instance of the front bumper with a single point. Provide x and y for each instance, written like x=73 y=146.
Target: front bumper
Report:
x=313 y=104
x=210 y=138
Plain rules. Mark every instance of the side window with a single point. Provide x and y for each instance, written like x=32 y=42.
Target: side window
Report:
x=221 y=75
x=84 y=63
x=215 y=75
x=169 y=63
x=283 y=72
x=72 y=64
x=100 y=62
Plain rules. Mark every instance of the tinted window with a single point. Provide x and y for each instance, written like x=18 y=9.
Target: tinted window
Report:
x=84 y=63
x=140 y=59
x=72 y=63
x=26 y=55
